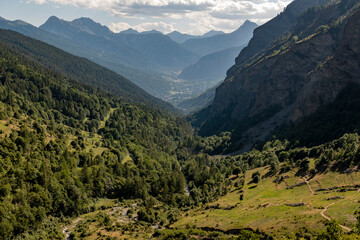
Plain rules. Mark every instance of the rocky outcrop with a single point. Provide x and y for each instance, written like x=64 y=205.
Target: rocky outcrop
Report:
x=270 y=31
x=324 y=84
x=290 y=80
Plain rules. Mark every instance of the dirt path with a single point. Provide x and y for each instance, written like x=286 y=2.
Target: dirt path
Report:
x=67 y=229
x=322 y=213
x=309 y=186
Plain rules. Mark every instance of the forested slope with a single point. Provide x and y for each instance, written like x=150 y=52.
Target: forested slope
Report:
x=65 y=144
x=79 y=68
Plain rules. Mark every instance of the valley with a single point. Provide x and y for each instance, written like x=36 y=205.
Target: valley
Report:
x=138 y=134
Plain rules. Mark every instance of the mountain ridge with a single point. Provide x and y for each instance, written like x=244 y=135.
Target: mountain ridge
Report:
x=258 y=97
x=220 y=42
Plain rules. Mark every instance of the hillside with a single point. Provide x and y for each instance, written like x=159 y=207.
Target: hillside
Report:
x=182 y=37
x=301 y=72
x=278 y=192
x=274 y=152
x=79 y=68
x=219 y=42
x=199 y=102
x=67 y=144
x=150 y=51
x=212 y=66
x=152 y=82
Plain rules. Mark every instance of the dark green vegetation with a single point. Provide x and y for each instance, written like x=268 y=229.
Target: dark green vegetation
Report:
x=79 y=69
x=64 y=144
x=85 y=154
x=288 y=192
x=151 y=60
x=141 y=77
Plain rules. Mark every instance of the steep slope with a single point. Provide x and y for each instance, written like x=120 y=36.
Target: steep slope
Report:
x=154 y=83
x=68 y=144
x=180 y=37
x=212 y=66
x=270 y=31
x=291 y=79
x=220 y=42
x=80 y=69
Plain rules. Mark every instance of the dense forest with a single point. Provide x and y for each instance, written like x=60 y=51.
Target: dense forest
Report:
x=75 y=136
x=65 y=144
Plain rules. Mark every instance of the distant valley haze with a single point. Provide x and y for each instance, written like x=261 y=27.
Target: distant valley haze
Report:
x=195 y=17
x=165 y=48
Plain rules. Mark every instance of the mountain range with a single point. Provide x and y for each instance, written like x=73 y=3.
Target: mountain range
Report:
x=205 y=46
x=87 y=154
x=182 y=37
x=148 y=59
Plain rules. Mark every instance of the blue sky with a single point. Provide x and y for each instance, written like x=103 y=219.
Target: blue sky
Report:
x=188 y=16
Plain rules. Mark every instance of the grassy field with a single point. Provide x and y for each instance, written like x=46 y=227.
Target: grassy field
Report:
x=265 y=206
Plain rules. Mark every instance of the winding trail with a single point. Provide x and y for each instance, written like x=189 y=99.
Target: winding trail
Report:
x=322 y=213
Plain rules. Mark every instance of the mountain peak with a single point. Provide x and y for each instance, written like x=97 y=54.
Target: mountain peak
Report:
x=151 y=32
x=53 y=19
x=84 y=20
x=248 y=24
x=129 y=31
x=82 y=24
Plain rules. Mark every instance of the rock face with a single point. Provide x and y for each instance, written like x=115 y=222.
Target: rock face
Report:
x=270 y=31
x=324 y=84
x=290 y=78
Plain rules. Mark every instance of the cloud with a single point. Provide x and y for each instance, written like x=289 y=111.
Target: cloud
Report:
x=203 y=13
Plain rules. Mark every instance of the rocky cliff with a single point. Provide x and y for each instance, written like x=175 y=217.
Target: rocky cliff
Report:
x=300 y=71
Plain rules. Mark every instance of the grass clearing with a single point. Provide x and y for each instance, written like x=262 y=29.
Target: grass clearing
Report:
x=265 y=207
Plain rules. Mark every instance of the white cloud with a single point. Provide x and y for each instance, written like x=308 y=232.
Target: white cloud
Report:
x=118 y=27
x=206 y=14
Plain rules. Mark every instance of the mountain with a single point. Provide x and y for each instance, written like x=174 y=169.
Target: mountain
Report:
x=212 y=33
x=129 y=31
x=159 y=49
x=212 y=66
x=156 y=84
x=182 y=37
x=299 y=73
x=80 y=69
x=152 y=32
x=205 y=46
x=270 y=31
x=150 y=50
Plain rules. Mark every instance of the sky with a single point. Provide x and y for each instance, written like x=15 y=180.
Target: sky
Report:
x=187 y=16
